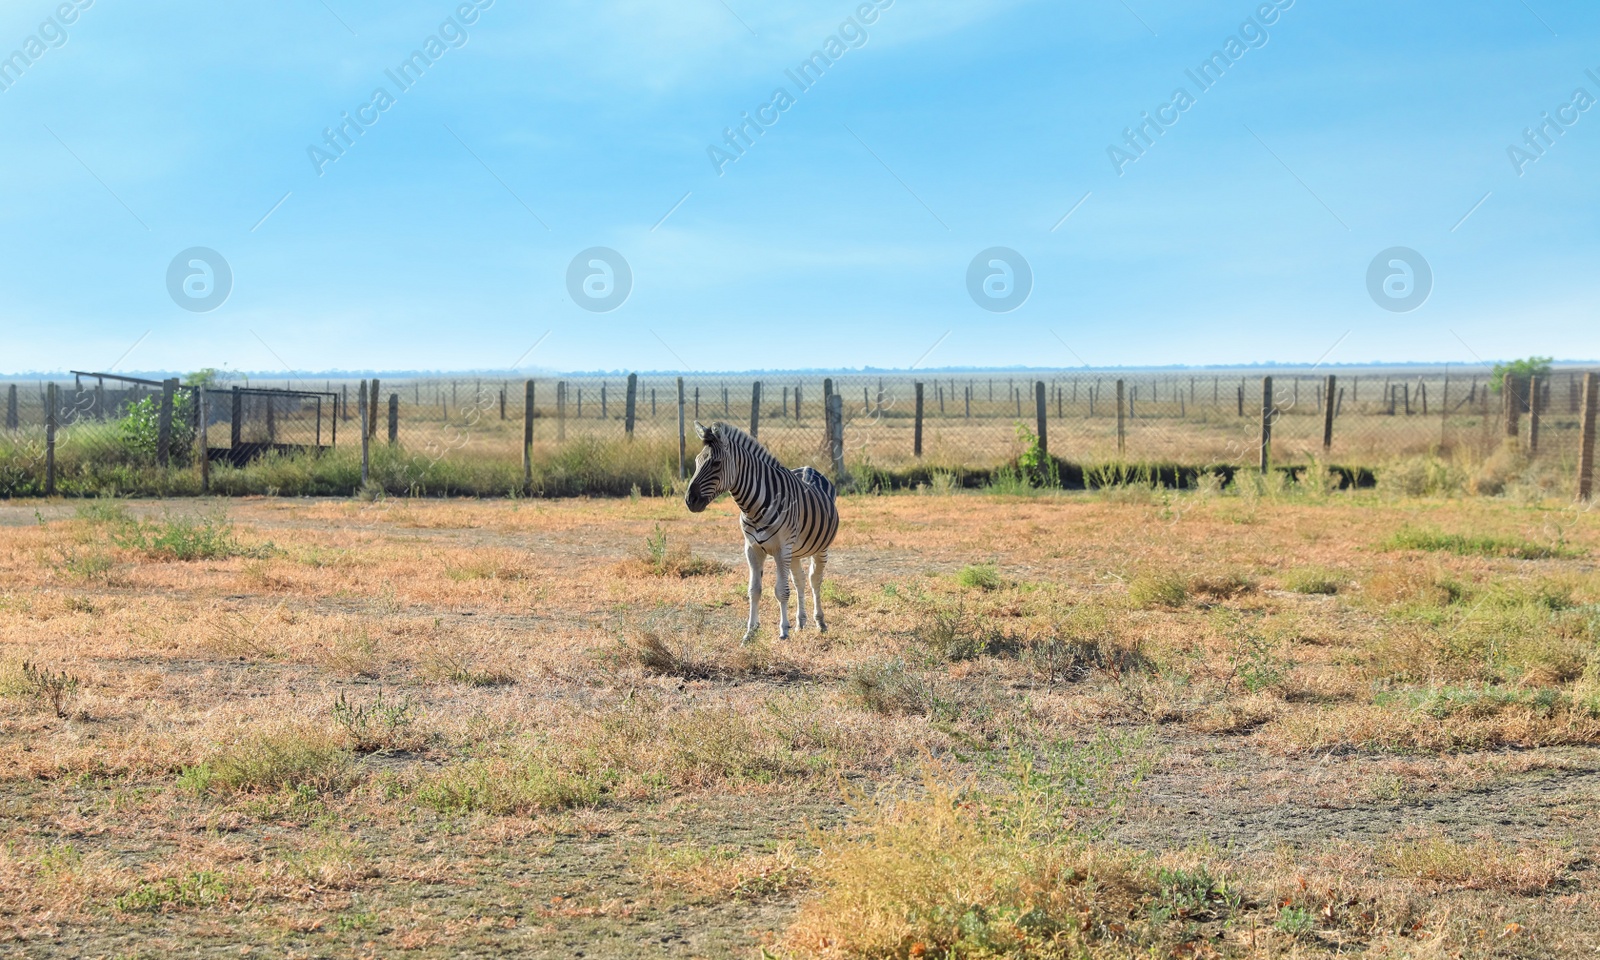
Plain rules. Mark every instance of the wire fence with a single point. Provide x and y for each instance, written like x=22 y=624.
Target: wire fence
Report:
x=104 y=422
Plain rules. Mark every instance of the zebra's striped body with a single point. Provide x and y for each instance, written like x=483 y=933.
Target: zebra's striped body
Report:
x=787 y=515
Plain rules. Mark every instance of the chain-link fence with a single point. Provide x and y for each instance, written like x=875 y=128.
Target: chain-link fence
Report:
x=468 y=434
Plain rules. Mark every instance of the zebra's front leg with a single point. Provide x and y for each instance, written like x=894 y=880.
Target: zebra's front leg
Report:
x=754 y=558
x=781 y=588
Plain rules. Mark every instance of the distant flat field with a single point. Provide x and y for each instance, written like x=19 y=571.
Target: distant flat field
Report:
x=1111 y=724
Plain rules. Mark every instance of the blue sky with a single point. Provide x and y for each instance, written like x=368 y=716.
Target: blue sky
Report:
x=441 y=239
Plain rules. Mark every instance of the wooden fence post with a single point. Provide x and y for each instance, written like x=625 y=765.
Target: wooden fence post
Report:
x=50 y=423
x=372 y=409
x=236 y=429
x=1512 y=403
x=11 y=407
x=394 y=419
x=1327 y=414
x=605 y=407
x=169 y=388
x=797 y=403
x=916 y=441
x=632 y=403
x=755 y=409
x=502 y=403
x=203 y=441
x=1266 y=423
x=836 y=435
x=1535 y=408
x=272 y=418
x=1039 y=411
x=1591 y=400
x=1241 y=401
x=682 y=442
x=1121 y=427
x=827 y=415
x=561 y=411
x=366 y=438
x=527 y=437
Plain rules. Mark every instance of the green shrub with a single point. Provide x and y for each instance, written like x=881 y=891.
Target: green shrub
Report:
x=186 y=538
x=1158 y=590
x=306 y=759
x=981 y=576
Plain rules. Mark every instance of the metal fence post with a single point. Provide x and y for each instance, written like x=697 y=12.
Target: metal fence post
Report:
x=236 y=429
x=1121 y=429
x=362 y=414
x=1327 y=414
x=50 y=421
x=682 y=442
x=1039 y=404
x=755 y=409
x=916 y=442
x=633 y=399
x=1591 y=400
x=1266 y=423
x=169 y=387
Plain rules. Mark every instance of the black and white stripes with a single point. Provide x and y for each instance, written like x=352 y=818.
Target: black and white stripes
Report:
x=785 y=514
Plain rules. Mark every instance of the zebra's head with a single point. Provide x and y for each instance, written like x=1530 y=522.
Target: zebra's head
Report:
x=706 y=483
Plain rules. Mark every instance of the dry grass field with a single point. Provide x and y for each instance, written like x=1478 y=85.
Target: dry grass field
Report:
x=1118 y=724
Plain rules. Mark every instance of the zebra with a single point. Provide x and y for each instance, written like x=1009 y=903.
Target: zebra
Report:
x=785 y=514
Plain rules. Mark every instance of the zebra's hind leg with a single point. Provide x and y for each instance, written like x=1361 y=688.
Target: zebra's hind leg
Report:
x=796 y=577
x=817 y=563
x=754 y=558
x=781 y=587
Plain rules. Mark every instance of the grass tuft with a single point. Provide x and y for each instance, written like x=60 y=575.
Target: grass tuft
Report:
x=1466 y=545
x=981 y=576
x=1152 y=590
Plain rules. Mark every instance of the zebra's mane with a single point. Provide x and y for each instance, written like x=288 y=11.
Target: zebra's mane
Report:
x=732 y=435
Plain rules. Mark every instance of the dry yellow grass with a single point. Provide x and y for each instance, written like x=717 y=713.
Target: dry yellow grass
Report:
x=452 y=726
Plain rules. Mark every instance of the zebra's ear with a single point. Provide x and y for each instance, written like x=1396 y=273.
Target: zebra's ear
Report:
x=708 y=435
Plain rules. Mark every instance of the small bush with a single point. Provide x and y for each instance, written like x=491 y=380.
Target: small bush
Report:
x=1311 y=580
x=51 y=688
x=1080 y=642
x=522 y=784
x=979 y=577
x=199 y=889
x=948 y=634
x=376 y=724
x=1158 y=590
x=659 y=558
x=886 y=687
x=297 y=758
x=1221 y=586
x=185 y=539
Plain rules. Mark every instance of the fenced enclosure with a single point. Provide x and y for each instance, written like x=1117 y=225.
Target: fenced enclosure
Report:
x=505 y=435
